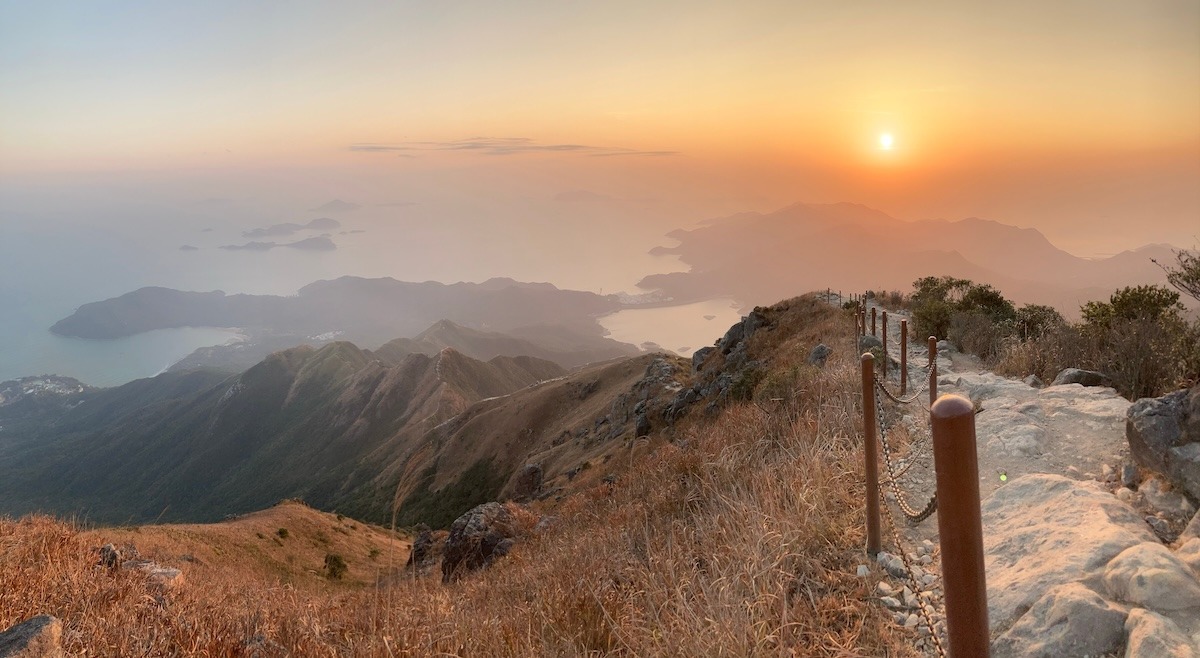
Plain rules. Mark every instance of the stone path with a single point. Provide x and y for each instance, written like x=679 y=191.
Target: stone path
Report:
x=1072 y=569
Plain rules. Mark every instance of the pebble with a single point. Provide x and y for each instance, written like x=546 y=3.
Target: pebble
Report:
x=863 y=571
x=912 y=621
x=1126 y=494
x=924 y=559
x=890 y=602
x=885 y=588
x=928 y=579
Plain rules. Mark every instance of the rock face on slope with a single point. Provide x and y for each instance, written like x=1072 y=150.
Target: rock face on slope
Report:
x=481 y=536
x=39 y=637
x=1164 y=436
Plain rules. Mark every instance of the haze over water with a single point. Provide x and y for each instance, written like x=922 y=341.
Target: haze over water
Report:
x=553 y=143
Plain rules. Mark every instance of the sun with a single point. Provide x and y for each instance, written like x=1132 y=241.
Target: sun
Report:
x=885 y=141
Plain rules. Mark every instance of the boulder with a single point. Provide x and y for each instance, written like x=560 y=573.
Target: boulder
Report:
x=38 y=637
x=527 y=482
x=478 y=538
x=1164 y=436
x=869 y=342
x=1070 y=620
x=819 y=354
x=1151 y=635
x=699 y=356
x=1163 y=498
x=1034 y=381
x=1045 y=531
x=1150 y=576
x=1082 y=377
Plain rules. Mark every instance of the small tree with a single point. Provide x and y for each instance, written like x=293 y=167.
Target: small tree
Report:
x=1185 y=275
x=1033 y=320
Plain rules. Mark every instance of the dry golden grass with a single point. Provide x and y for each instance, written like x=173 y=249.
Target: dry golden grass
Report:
x=739 y=537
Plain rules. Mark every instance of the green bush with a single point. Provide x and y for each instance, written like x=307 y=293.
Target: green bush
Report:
x=335 y=566
x=282 y=532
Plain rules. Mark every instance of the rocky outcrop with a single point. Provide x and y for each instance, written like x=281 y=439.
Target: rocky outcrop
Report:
x=478 y=538
x=427 y=549
x=819 y=354
x=1164 y=436
x=163 y=579
x=1082 y=377
x=39 y=637
x=1072 y=570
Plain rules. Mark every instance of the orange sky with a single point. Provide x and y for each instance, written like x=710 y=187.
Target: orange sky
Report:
x=1081 y=119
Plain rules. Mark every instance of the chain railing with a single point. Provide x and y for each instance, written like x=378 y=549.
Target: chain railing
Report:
x=952 y=438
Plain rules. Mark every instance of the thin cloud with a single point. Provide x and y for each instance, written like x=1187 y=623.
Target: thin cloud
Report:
x=504 y=146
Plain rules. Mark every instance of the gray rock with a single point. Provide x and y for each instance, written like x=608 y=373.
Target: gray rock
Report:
x=945 y=347
x=38 y=637
x=1164 y=499
x=1129 y=476
x=1151 y=635
x=641 y=425
x=1150 y=576
x=869 y=342
x=699 y=356
x=1083 y=377
x=1044 y=531
x=477 y=538
x=1070 y=620
x=1153 y=426
x=1034 y=381
x=819 y=354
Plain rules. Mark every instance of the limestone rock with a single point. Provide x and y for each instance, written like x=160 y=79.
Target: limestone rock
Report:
x=1189 y=553
x=38 y=637
x=1161 y=497
x=1150 y=635
x=1070 y=620
x=1153 y=426
x=479 y=537
x=1033 y=381
x=1082 y=377
x=1149 y=575
x=699 y=356
x=1044 y=531
x=868 y=342
x=819 y=354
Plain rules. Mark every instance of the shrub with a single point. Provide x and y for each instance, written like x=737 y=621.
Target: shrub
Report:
x=335 y=566
x=1185 y=275
x=282 y=532
x=977 y=333
x=1033 y=320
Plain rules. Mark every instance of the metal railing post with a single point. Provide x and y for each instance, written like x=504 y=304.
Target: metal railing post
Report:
x=932 y=370
x=870 y=452
x=883 y=334
x=873 y=309
x=903 y=357
x=960 y=528
x=862 y=317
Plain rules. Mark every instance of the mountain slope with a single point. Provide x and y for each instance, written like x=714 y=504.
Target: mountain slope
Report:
x=298 y=424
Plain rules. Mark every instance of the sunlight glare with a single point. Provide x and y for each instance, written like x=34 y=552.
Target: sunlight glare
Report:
x=885 y=141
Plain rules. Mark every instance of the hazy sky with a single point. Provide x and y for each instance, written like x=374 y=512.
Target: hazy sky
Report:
x=1079 y=118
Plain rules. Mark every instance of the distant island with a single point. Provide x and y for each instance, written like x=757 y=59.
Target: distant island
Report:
x=369 y=312
x=321 y=243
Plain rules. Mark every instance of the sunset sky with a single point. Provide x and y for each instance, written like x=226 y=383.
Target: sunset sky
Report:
x=1081 y=119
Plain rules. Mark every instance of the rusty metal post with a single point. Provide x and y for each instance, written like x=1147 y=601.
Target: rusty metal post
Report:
x=959 y=525
x=862 y=318
x=873 y=321
x=883 y=326
x=870 y=452
x=932 y=370
x=903 y=357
